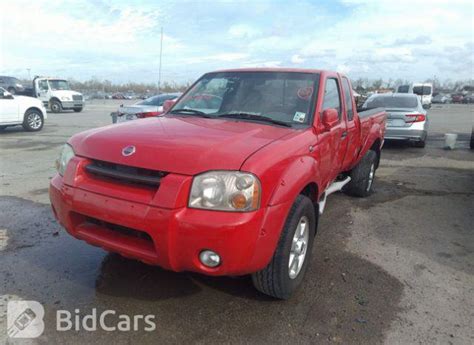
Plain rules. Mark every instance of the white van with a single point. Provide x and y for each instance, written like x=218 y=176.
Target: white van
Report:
x=423 y=90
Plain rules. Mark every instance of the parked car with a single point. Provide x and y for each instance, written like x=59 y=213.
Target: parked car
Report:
x=118 y=95
x=11 y=84
x=440 y=99
x=149 y=107
x=21 y=110
x=468 y=99
x=406 y=120
x=232 y=190
x=458 y=98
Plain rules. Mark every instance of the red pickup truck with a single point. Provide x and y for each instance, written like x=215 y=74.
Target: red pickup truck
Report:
x=230 y=180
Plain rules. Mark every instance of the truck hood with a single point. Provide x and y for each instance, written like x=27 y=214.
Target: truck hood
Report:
x=185 y=145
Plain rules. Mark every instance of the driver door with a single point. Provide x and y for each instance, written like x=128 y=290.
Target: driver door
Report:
x=42 y=91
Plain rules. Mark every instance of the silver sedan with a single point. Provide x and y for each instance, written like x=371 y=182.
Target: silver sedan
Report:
x=149 y=107
x=406 y=120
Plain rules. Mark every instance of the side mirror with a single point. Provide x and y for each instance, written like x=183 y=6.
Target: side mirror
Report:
x=168 y=104
x=330 y=118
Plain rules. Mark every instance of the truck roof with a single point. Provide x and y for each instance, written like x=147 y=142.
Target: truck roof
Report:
x=273 y=69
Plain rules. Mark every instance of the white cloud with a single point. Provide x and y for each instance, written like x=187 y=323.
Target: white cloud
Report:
x=243 y=31
x=297 y=59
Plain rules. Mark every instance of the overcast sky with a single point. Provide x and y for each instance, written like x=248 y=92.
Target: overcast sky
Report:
x=119 y=40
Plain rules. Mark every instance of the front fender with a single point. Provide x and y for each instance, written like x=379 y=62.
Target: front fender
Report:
x=301 y=172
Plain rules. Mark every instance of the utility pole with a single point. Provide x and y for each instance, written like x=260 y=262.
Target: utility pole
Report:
x=161 y=54
x=29 y=76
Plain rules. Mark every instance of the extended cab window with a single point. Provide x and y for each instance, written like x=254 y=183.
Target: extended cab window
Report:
x=332 y=98
x=348 y=98
x=43 y=85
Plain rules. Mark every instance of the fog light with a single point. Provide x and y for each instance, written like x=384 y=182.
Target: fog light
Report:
x=209 y=258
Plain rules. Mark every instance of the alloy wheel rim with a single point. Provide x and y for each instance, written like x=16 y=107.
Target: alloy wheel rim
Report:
x=299 y=247
x=371 y=177
x=34 y=121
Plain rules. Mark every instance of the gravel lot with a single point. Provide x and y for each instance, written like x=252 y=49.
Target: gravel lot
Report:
x=396 y=268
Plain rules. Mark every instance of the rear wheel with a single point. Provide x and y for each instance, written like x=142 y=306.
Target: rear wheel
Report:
x=285 y=272
x=56 y=107
x=12 y=90
x=362 y=176
x=33 y=120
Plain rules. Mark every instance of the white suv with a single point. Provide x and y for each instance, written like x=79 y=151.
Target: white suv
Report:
x=20 y=110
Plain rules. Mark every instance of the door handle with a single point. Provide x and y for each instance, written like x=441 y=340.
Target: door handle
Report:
x=343 y=135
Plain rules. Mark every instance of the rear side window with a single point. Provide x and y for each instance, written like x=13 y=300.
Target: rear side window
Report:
x=348 y=98
x=332 y=98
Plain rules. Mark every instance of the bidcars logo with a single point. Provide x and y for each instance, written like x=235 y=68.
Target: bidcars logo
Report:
x=128 y=151
x=25 y=319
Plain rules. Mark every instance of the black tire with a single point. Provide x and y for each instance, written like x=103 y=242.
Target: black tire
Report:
x=56 y=106
x=12 y=90
x=2 y=128
x=274 y=280
x=420 y=144
x=78 y=110
x=361 y=183
x=33 y=120
x=471 y=145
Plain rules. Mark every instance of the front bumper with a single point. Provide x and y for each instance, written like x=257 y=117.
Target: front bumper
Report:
x=174 y=235
x=72 y=104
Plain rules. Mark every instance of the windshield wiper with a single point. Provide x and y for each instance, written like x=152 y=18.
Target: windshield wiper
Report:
x=249 y=116
x=190 y=111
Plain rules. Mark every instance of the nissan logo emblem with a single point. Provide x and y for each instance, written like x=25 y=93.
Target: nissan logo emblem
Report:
x=128 y=151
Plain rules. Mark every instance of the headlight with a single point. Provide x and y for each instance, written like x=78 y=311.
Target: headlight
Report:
x=65 y=98
x=225 y=191
x=64 y=157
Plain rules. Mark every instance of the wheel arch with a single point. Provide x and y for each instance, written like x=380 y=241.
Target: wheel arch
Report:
x=54 y=99
x=33 y=108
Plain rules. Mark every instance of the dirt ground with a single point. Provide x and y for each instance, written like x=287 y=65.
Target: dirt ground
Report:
x=395 y=268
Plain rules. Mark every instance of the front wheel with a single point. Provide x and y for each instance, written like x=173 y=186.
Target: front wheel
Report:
x=56 y=107
x=33 y=120
x=289 y=263
x=362 y=176
x=78 y=109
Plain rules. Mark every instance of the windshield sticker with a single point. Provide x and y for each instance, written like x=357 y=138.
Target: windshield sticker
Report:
x=305 y=93
x=299 y=117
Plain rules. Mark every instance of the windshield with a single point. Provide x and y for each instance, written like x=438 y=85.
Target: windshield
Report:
x=157 y=100
x=422 y=90
x=285 y=97
x=58 y=85
x=377 y=101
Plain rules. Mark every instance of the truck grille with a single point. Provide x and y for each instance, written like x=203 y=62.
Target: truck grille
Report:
x=125 y=173
x=76 y=97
